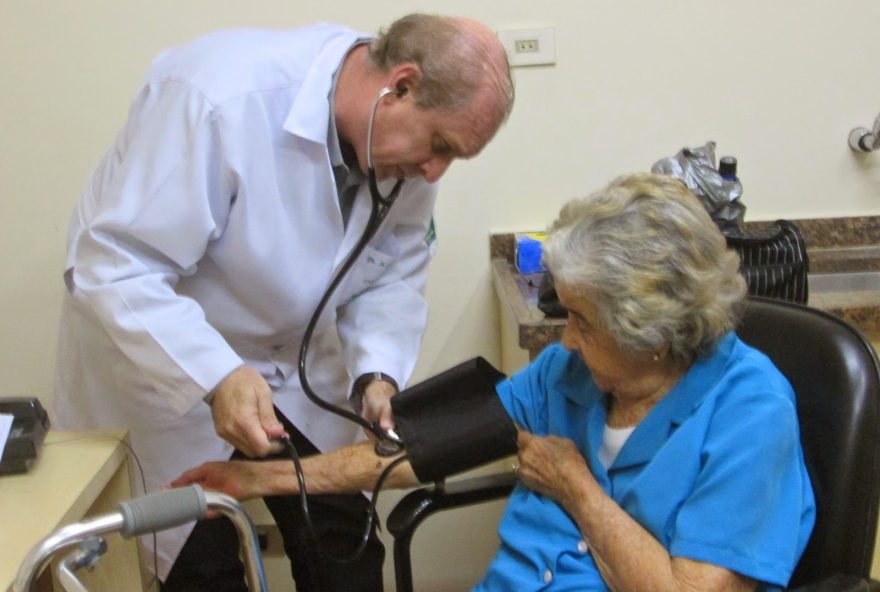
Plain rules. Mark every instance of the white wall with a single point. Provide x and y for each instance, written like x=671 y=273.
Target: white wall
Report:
x=777 y=84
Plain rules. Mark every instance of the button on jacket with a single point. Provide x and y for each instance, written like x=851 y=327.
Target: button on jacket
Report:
x=206 y=237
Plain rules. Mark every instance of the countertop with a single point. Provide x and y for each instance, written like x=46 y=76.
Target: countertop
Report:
x=75 y=474
x=833 y=245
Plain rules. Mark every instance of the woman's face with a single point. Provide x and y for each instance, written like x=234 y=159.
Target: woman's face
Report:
x=614 y=369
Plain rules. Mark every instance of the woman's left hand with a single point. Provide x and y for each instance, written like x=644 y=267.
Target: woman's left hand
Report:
x=550 y=466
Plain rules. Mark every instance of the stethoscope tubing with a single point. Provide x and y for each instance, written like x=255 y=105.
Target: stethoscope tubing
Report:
x=379 y=209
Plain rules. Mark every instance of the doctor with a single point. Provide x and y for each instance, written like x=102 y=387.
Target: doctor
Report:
x=207 y=235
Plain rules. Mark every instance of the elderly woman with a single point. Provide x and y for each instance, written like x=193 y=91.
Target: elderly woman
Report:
x=657 y=450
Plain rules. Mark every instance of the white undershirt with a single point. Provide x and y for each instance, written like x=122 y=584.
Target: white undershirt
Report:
x=613 y=440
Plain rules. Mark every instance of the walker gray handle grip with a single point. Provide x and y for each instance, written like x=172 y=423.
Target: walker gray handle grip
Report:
x=158 y=511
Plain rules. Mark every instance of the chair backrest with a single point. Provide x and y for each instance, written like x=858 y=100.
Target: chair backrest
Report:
x=836 y=378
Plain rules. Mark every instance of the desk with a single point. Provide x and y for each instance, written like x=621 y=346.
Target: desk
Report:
x=76 y=474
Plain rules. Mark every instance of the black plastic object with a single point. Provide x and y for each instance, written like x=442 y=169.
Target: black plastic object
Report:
x=29 y=427
x=727 y=167
x=774 y=261
x=548 y=299
x=422 y=503
x=454 y=421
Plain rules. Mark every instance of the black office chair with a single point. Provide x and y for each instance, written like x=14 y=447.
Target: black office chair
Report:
x=835 y=374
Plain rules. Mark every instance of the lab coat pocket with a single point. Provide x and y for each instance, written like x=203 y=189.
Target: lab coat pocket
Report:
x=370 y=268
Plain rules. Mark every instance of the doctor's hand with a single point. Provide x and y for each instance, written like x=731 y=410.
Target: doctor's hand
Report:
x=243 y=413
x=551 y=466
x=376 y=403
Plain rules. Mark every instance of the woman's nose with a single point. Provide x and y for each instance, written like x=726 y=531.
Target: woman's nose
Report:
x=434 y=168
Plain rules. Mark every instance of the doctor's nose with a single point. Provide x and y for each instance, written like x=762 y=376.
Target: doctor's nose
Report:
x=434 y=168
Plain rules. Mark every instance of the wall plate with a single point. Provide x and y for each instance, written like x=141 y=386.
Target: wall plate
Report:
x=529 y=47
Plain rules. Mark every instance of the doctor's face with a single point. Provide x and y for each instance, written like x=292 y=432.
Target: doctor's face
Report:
x=409 y=141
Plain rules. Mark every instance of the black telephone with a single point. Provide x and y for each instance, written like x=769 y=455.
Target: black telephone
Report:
x=29 y=426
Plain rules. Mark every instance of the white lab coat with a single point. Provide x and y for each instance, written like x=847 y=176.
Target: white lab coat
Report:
x=204 y=240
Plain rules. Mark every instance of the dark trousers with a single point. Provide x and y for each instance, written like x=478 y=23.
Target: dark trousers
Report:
x=209 y=559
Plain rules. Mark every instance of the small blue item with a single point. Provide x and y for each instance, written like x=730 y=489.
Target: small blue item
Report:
x=528 y=254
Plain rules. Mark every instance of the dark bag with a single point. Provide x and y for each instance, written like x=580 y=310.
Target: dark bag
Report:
x=773 y=261
x=548 y=301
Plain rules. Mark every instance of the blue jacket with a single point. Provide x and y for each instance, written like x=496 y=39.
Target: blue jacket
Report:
x=715 y=472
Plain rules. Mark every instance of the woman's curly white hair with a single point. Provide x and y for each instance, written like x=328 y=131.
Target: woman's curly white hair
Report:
x=646 y=254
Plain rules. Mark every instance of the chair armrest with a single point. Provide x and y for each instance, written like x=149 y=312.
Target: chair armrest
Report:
x=840 y=583
x=421 y=503
x=417 y=505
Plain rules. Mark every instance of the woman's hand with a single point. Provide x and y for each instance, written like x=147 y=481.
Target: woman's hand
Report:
x=240 y=479
x=551 y=466
x=627 y=555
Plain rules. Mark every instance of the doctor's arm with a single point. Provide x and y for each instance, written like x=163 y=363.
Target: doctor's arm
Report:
x=153 y=206
x=381 y=327
x=345 y=470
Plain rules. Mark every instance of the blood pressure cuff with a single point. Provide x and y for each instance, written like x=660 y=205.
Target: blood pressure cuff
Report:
x=454 y=421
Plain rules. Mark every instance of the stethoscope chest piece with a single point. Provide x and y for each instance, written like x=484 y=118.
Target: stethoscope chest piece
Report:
x=388 y=448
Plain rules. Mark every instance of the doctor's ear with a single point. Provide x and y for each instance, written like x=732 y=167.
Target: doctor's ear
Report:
x=404 y=79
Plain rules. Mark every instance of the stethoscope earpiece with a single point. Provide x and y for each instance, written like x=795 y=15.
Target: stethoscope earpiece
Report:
x=378 y=199
x=386 y=90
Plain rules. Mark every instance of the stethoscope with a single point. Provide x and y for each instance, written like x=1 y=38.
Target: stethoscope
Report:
x=388 y=441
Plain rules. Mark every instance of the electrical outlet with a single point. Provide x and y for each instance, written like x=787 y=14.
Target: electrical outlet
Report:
x=526 y=45
x=529 y=47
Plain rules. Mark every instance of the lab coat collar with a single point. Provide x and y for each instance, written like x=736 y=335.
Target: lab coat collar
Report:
x=309 y=116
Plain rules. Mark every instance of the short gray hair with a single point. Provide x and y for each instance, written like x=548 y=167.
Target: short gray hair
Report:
x=653 y=263
x=455 y=59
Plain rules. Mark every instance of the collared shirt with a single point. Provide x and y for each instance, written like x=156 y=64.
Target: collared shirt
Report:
x=714 y=472
x=348 y=178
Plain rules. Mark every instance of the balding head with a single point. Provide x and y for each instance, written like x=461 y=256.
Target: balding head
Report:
x=460 y=59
